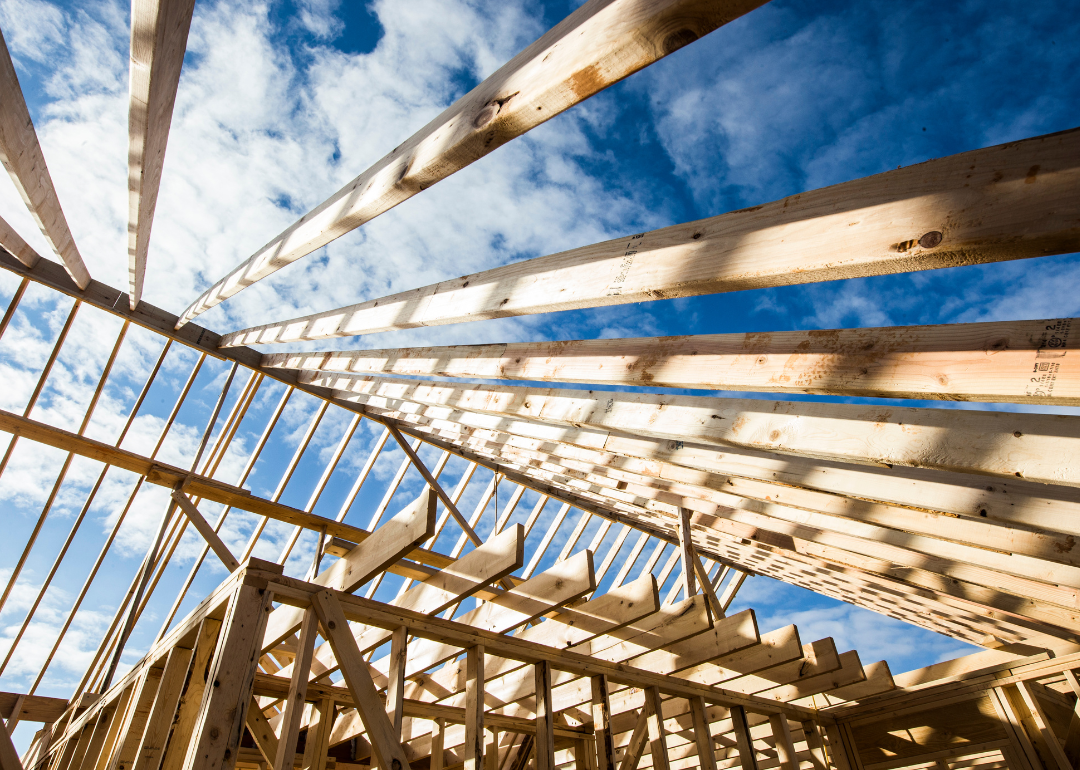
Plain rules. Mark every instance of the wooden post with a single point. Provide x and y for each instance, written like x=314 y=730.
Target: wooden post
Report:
x=318 y=735
x=815 y=745
x=474 y=708
x=654 y=708
x=222 y=714
x=601 y=714
x=395 y=689
x=295 y=702
x=703 y=735
x=838 y=750
x=744 y=741
x=785 y=747
x=545 y=717
x=438 y=736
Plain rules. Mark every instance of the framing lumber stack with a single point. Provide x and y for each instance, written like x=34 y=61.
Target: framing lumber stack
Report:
x=963 y=522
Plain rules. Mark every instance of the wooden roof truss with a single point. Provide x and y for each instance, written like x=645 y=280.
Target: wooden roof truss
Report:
x=609 y=641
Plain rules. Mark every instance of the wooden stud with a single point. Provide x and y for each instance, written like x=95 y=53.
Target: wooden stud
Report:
x=689 y=557
x=222 y=715
x=744 y=741
x=438 y=737
x=785 y=747
x=703 y=738
x=395 y=690
x=160 y=720
x=294 y=704
x=474 y=708
x=318 y=735
x=601 y=718
x=654 y=714
x=545 y=717
x=1038 y=716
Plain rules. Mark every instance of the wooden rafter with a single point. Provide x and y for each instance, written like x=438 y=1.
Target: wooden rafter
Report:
x=969 y=362
x=598 y=44
x=942 y=213
x=159 y=31
x=21 y=155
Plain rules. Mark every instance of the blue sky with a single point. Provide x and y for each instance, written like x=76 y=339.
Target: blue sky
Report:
x=281 y=103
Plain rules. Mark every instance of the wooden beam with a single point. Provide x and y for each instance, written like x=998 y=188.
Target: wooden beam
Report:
x=943 y=213
x=1002 y=444
x=1028 y=364
x=386 y=545
x=449 y=632
x=169 y=476
x=19 y=249
x=384 y=743
x=545 y=717
x=262 y=732
x=474 y=708
x=159 y=31
x=601 y=718
x=600 y=43
x=209 y=534
x=216 y=737
x=21 y=155
x=32 y=708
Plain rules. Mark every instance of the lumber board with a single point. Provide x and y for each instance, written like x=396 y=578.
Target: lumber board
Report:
x=947 y=549
x=385 y=546
x=730 y=536
x=498 y=557
x=222 y=714
x=970 y=208
x=1001 y=444
x=34 y=708
x=21 y=155
x=165 y=475
x=1007 y=361
x=16 y=246
x=845 y=580
x=600 y=43
x=159 y=31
